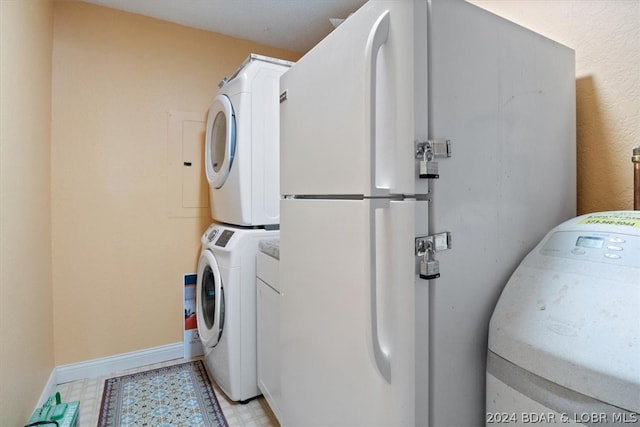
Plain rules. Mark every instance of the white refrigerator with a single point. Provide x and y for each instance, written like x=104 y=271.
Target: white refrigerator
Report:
x=426 y=146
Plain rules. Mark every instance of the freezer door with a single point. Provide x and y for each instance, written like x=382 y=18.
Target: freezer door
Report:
x=348 y=276
x=505 y=96
x=347 y=108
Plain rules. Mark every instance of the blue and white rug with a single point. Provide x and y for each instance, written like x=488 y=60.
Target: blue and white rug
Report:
x=178 y=395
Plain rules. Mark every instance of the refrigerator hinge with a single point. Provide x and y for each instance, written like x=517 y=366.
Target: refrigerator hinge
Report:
x=426 y=247
x=427 y=151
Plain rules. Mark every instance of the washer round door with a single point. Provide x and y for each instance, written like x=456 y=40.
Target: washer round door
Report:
x=209 y=300
x=220 y=146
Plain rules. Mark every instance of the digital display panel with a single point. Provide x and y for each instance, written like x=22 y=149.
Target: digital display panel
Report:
x=590 y=242
x=224 y=238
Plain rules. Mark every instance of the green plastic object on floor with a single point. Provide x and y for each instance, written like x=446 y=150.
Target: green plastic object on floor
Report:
x=56 y=413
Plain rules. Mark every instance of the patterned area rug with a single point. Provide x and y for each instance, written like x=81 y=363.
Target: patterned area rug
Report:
x=178 y=395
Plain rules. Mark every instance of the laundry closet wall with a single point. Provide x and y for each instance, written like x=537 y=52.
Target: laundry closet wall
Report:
x=26 y=310
x=118 y=252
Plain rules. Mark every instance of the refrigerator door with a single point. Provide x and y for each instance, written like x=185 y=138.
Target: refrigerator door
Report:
x=505 y=96
x=348 y=276
x=347 y=109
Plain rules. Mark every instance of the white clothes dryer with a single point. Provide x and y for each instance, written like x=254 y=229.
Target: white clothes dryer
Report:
x=242 y=145
x=564 y=339
x=226 y=307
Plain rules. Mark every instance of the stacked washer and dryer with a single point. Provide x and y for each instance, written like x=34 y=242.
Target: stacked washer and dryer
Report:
x=242 y=168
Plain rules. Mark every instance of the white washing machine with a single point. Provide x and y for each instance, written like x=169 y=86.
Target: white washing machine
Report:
x=242 y=145
x=226 y=307
x=564 y=339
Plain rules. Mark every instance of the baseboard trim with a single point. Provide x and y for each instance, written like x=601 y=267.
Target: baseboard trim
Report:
x=119 y=362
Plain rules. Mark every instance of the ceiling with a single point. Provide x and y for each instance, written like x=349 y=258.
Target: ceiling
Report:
x=295 y=25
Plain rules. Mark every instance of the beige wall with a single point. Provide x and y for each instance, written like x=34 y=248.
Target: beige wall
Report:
x=118 y=252
x=605 y=35
x=26 y=332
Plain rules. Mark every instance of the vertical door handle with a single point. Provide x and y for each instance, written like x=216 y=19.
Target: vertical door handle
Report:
x=377 y=37
x=381 y=356
x=219 y=304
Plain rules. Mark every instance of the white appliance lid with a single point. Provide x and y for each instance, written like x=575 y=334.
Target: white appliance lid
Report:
x=570 y=313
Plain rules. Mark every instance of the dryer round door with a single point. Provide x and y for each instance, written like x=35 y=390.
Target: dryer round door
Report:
x=220 y=143
x=209 y=300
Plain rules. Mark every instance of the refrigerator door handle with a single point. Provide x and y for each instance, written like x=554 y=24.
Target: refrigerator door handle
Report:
x=377 y=37
x=381 y=356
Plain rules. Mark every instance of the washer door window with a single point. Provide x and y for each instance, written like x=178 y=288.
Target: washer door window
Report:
x=210 y=300
x=220 y=144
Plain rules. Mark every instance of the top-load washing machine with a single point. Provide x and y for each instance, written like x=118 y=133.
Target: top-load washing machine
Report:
x=564 y=339
x=226 y=306
x=242 y=145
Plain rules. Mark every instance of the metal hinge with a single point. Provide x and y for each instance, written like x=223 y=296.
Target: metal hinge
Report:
x=427 y=151
x=426 y=247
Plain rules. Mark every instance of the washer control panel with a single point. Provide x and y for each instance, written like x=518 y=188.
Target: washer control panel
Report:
x=224 y=238
x=217 y=235
x=210 y=234
x=612 y=248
